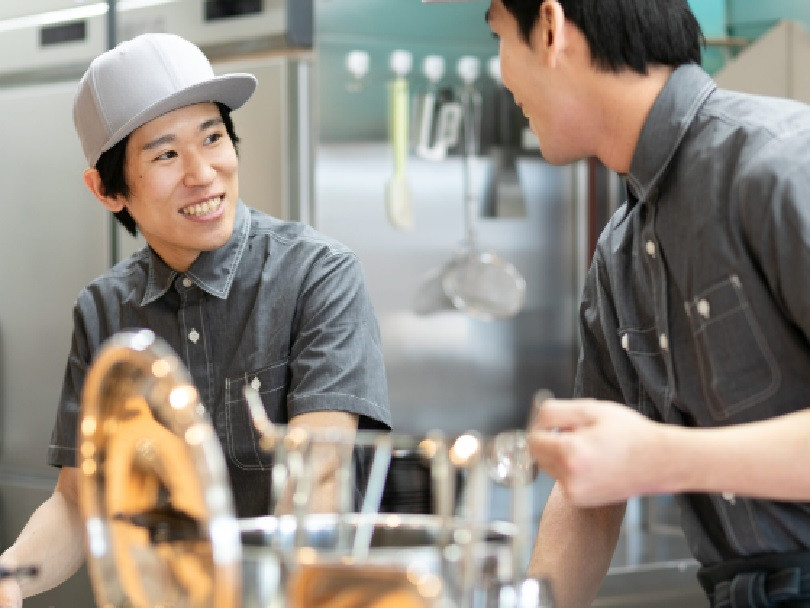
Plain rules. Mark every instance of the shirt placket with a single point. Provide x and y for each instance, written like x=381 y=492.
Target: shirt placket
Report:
x=195 y=338
x=655 y=260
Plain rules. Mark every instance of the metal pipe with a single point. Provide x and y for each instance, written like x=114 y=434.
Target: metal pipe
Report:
x=112 y=40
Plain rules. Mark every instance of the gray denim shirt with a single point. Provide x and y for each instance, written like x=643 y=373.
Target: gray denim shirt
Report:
x=279 y=306
x=696 y=309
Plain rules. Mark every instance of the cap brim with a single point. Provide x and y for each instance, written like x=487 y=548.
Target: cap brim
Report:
x=232 y=90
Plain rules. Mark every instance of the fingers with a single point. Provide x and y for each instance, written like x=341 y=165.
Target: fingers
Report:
x=548 y=451
x=10 y=594
x=548 y=447
x=561 y=414
x=590 y=447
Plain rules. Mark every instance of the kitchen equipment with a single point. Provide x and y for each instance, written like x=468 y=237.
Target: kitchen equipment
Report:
x=397 y=190
x=503 y=196
x=450 y=558
x=476 y=281
x=160 y=529
x=357 y=64
x=154 y=491
x=409 y=561
x=438 y=127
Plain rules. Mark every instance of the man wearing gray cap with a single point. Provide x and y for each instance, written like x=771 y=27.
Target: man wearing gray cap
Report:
x=240 y=296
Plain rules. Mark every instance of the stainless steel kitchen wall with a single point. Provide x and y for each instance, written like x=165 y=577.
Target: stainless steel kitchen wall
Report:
x=446 y=370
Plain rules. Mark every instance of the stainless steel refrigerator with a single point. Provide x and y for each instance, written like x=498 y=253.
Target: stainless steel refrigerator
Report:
x=52 y=241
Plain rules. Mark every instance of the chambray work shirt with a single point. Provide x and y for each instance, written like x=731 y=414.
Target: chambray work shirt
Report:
x=696 y=309
x=279 y=306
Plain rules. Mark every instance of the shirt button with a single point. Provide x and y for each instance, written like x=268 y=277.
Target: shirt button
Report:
x=193 y=336
x=650 y=247
x=186 y=282
x=703 y=308
x=626 y=342
x=663 y=341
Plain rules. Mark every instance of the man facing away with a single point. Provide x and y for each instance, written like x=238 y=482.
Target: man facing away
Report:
x=240 y=296
x=694 y=370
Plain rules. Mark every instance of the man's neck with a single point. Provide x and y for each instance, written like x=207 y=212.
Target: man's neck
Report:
x=623 y=103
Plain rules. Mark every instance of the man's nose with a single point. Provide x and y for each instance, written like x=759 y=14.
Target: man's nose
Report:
x=198 y=169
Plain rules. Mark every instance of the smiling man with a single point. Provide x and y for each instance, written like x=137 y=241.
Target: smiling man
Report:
x=694 y=367
x=240 y=296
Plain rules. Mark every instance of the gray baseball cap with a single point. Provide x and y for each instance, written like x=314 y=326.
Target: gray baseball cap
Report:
x=143 y=78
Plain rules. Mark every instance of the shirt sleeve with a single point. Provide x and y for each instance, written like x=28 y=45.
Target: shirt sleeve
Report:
x=775 y=215
x=62 y=447
x=596 y=374
x=336 y=358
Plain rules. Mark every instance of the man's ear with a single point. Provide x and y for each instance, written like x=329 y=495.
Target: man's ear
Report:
x=92 y=179
x=548 y=35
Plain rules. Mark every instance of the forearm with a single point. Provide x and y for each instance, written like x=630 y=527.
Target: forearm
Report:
x=574 y=548
x=765 y=459
x=326 y=457
x=52 y=540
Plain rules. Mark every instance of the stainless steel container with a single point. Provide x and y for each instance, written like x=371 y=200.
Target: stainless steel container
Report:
x=421 y=560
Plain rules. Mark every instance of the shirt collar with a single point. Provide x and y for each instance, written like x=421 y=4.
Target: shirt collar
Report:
x=669 y=118
x=212 y=271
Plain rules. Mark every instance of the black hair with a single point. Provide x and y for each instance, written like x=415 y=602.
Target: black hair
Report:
x=111 y=163
x=623 y=34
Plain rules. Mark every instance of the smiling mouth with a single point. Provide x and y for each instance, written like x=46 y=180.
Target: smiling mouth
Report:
x=204 y=208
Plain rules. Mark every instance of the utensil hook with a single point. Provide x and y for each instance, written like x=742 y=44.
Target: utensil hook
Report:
x=469 y=111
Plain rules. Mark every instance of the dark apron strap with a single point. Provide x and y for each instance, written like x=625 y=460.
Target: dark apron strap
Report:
x=765 y=581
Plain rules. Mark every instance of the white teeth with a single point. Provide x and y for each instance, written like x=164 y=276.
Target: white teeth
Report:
x=203 y=208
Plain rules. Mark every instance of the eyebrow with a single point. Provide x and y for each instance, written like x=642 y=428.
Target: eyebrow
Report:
x=169 y=138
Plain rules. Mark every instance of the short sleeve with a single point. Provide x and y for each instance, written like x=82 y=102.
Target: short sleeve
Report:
x=336 y=358
x=62 y=447
x=596 y=374
x=774 y=198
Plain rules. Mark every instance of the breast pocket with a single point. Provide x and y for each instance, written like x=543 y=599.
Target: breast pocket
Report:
x=736 y=365
x=242 y=439
x=642 y=348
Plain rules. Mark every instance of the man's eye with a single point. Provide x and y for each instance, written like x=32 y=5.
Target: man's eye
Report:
x=166 y=155
x=213 y=138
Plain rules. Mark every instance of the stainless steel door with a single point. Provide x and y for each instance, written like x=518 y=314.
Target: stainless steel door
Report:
x=53 y=240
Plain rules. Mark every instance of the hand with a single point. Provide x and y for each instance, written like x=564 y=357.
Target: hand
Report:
x=10 y=594
x=599 y=452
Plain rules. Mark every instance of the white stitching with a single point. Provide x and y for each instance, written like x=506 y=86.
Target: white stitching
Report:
x=309 y=395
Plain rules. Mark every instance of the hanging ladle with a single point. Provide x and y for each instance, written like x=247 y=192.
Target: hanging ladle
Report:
x=478 y=282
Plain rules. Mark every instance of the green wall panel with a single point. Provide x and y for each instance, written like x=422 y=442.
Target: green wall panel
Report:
x=751 y=18
x=712 y=16
x=348 y=112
